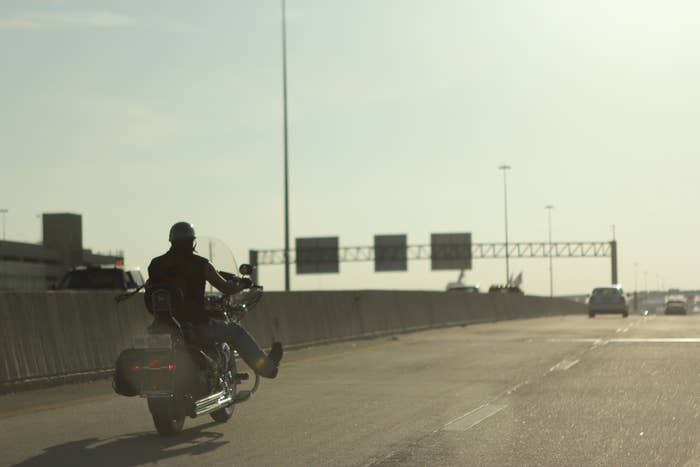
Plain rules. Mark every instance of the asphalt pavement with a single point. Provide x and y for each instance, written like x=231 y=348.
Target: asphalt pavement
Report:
x=549 y=391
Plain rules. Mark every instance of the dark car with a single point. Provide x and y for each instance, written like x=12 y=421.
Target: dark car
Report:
x=101 y=278
x=608 y=300
x=676 y=305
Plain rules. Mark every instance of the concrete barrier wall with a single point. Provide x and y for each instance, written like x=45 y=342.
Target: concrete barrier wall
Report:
x=59 y=334
x=56 y=336
x=306 y=318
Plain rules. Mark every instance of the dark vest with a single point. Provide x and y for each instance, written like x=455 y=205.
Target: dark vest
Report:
x=187 y=273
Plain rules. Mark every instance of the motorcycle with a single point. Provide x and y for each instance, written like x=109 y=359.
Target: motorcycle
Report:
x=178 y=372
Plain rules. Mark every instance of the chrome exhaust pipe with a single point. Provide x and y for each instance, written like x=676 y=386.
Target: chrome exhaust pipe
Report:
x=212 y=403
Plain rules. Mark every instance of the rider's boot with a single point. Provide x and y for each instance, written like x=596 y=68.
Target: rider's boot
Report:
x=276 y=353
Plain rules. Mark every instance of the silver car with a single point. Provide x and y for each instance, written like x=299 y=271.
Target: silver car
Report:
x=609 y=300
x=676 y=305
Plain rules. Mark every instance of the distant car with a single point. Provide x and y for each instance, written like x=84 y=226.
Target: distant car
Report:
x=676 y=305
x=608 y=300
x=101 y=278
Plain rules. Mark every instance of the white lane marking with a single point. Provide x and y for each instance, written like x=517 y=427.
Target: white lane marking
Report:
x=585 y=340
x=564 y=365
x=627 y=328
x=510 y=391
x=656 y=340
x=473 y=418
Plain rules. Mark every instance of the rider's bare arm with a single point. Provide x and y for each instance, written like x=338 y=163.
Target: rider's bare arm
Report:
x=215 y=279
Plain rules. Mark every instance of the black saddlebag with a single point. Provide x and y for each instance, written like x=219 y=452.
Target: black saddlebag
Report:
x=127 y=378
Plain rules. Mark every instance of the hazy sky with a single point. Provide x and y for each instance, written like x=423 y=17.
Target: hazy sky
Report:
x=139 y=114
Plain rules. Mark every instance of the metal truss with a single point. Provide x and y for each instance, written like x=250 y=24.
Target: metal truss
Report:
x=354 y=254
x=543 y=250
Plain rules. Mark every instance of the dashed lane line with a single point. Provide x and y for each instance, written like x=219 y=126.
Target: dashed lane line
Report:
x=564 y=365
x=474 y=417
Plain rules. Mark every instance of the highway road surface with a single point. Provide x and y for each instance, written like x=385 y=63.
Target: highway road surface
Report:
x=550 y=391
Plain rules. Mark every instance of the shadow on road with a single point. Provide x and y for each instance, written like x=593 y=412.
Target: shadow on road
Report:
x=132 y=449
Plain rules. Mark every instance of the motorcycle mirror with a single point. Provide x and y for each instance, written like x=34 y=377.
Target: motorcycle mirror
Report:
x=246 y=269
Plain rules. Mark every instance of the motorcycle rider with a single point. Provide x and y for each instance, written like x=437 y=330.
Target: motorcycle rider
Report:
x=181 y=268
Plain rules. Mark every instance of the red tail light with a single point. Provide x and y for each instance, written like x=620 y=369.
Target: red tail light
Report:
x=171 y=366
x=136 y=367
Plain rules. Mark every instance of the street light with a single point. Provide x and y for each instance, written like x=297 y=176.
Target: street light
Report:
x=505 y=168
x=286 y=151
x=41 y=227
x=636 y=274
x=3 y=212
x=549 y=208
x=646 y=284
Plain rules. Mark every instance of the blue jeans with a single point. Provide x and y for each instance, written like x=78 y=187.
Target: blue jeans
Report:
x=247 y=348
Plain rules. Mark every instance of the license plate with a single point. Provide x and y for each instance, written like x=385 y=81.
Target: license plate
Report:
x=153 y=341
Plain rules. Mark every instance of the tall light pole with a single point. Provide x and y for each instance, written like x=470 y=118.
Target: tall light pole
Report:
x=3 y=212
x=41 y=227
x=211 y=260
x=549 y=208
x=287 y=285
x=636 y=274
x=646 y=283
x=505 y=168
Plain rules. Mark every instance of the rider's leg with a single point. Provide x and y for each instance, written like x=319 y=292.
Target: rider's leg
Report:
x=247 y=348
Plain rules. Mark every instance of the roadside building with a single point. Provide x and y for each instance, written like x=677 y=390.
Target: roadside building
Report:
x=27 y=266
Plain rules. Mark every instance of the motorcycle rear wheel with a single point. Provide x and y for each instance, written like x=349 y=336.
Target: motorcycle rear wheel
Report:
x=223 y=415
x=167 y=419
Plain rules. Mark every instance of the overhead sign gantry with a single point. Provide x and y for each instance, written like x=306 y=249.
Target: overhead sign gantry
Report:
x=446 y=251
